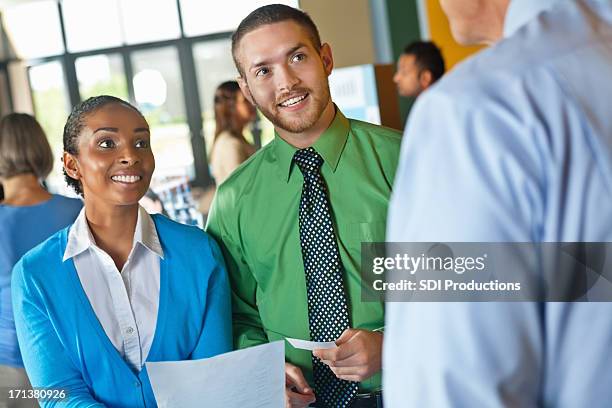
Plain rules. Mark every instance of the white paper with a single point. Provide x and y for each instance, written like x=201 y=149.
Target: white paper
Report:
x=311 y=345
x=248 y=378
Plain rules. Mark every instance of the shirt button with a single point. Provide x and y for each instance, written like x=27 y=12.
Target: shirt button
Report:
x=129 y=330
x=136 y=384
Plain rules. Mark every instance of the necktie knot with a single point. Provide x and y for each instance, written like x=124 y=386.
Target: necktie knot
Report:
x=308 y=160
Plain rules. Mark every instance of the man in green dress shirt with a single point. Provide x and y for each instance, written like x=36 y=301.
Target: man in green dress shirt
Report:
x=284 y=71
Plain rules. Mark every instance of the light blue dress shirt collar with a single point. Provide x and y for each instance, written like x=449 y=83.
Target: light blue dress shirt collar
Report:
x=521 y=12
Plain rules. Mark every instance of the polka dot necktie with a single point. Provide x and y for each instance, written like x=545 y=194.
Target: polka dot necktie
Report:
x=327 y=307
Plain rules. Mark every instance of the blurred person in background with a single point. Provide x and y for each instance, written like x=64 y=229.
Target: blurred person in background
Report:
x=28 y=215
x=232 y=113
x=419 y=67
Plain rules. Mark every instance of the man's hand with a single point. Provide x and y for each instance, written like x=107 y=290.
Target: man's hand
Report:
x=357 y=357
x=298 y=393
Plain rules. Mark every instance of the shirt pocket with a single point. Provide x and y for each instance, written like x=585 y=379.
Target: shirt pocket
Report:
x=354 y=233
x=373 y=231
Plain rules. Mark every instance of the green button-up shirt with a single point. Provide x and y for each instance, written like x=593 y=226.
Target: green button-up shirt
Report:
x=255 y=220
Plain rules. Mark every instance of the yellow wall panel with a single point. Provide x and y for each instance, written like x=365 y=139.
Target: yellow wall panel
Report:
x=440 y=33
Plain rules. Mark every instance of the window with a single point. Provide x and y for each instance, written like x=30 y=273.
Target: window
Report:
x=148 y=21
x=91 y=24
x=101 y=75
x=214 y=65
x=33 y=29
x=50 y=98
x=103 y=51
x=158 y=89
x=200 y=17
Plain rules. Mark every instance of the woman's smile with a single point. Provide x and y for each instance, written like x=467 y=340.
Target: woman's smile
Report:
x=126 y=179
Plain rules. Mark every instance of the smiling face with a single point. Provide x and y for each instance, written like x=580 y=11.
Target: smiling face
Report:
x=285 y=76
x=114 y=163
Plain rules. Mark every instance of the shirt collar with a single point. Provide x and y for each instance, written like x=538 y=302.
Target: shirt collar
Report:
x=80 y=237
x=520 y=12
x=329 y=145
x=146 y=233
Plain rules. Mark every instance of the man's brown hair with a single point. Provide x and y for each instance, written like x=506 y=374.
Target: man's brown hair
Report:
x=270 y=14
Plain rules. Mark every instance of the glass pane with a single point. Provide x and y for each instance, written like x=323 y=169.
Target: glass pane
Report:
x=101 y=75
x=147 y=21
x=200 y=18
x=34 y=29
x=158 y=90
x=51 y=107
x=214 y=65
x=81 y=34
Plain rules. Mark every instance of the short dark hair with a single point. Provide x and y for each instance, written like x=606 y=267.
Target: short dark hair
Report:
x=23 y=147
x=427 y=57
x=270 y=14
x=76 y=122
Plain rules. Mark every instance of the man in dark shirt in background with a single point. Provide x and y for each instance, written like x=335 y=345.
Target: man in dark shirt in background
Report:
x=420 y=66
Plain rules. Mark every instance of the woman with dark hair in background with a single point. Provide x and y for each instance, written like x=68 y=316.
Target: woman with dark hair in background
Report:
x=232 y=113
x=119 y=287
x=28 y=215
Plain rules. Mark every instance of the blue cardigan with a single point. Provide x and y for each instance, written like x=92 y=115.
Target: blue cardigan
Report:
x=64 y=346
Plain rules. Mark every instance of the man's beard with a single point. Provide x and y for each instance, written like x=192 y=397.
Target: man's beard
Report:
x=298 y=124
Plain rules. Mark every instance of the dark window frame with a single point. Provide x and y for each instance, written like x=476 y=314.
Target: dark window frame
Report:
x=184 y=46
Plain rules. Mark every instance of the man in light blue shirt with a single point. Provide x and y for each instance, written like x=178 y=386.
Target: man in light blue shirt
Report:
x=514 y=145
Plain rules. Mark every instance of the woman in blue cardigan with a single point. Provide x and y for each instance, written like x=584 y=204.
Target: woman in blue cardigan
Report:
x=119 y=287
